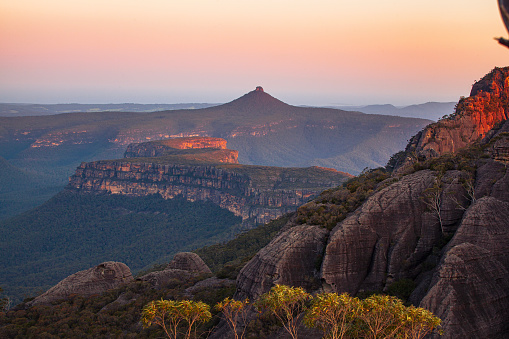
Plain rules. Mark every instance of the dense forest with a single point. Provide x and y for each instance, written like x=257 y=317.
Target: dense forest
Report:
x=87 y=229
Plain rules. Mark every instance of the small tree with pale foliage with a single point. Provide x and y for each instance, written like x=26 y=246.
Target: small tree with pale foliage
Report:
x=334 y=314
x=234 y=312
x=285 y=303
x=386 y=317
x=170 y=314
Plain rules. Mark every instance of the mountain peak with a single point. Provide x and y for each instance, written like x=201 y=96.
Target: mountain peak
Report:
x=257 y=99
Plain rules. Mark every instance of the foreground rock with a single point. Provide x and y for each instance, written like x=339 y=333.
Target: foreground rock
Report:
x=95 y=280
x=289 y=259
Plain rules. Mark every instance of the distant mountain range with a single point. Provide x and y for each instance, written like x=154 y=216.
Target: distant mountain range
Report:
x=18 y=110
x=429 y=110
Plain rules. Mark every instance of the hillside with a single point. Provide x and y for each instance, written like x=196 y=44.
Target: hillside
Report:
x=263 y=129
x=434 y=231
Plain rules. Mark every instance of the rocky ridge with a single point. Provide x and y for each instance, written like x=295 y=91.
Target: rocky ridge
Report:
x=256 y=193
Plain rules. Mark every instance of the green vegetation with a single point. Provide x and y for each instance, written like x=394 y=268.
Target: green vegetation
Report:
x=285 y=303
x=227 y=259
x=333 y=206
x=235 y=313
x=338 y=316
x=170 y=314
x=100 y=316
x=72 y=232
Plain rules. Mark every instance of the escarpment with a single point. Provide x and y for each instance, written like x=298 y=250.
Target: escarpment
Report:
x=200 y=173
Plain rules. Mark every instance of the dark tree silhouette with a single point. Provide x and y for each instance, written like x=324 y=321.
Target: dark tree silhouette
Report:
x=503 y=6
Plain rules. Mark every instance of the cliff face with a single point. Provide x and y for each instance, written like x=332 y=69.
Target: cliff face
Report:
x=485 y=108
x=257 y=194
x=197 y=148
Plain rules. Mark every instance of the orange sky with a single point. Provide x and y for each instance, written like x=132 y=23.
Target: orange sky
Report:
x=303 y=52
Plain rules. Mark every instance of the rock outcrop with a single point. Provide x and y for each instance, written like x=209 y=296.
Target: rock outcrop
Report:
x=256 y=193
x=485 y=108
x=183 y=267
x=189 y=261
x=470 y=291
x=95 y=280
x=203 y=149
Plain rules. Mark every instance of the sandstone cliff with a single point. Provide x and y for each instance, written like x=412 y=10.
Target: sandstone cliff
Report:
x=256 y=193
x=486 y=108
x=215 y=149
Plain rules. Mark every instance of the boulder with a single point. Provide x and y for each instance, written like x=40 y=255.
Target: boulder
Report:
x=188 y=261
x=160 y=279
x=470 y=291
x=95 y=280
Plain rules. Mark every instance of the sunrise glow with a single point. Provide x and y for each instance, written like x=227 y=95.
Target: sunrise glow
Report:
x=303 y=52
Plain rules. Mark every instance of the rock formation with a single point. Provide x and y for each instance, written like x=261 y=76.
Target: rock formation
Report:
x=216 y=149
x=396 y=235
x=189 y=261
x=184 y=266
x=485 y=108
x=256 y=193
x=95 y=280
x=289 y=259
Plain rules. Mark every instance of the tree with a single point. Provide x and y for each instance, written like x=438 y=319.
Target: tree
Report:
x=379 y=316
x=234 y=311
x=382 y=315
x=285 y=303
x=386 y=317
x=433 y=199
x=174 y=313
x=334 y=314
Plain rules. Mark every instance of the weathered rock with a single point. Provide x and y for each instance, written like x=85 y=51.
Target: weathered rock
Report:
x=160 y=279
x=188 y=261
x=96 y=280
x=391 y=234
x=291 y=258
x=471 y=294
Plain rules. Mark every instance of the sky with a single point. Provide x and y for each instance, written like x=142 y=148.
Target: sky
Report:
x=320 y=52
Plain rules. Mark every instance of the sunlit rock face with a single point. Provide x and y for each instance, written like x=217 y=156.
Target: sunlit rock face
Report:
x=485 y=108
